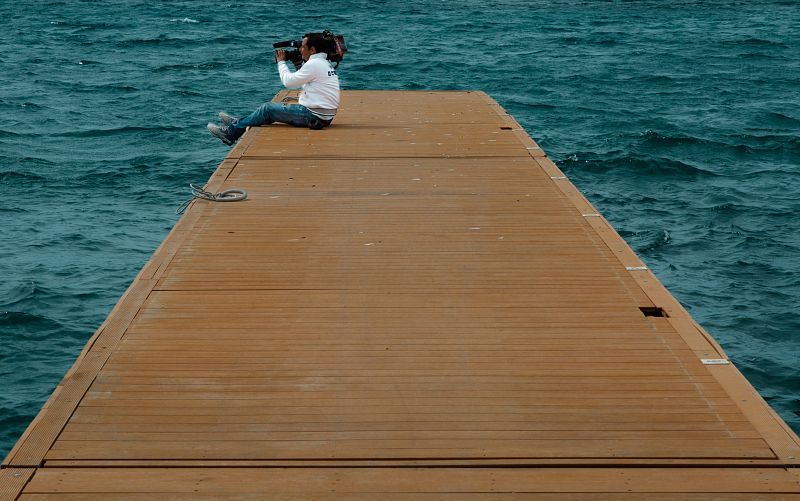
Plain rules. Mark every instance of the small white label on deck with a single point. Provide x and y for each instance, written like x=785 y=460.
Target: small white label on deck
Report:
x=714 y=361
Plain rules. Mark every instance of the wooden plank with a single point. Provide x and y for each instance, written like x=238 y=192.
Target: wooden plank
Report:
x=468 y=387
x=544 y=415
x=434 y=176
x=192 y=433
x=278 y=481
x=427 y=463
x=416 y=496
x=410 y=448
x=501 y=424
x=393 y=141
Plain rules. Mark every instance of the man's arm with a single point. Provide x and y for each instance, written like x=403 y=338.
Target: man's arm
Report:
x=294 y=80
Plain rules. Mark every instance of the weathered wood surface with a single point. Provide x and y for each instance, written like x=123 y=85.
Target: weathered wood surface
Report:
x=417 y=288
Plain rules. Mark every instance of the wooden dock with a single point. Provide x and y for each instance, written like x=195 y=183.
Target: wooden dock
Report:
x=412 y=304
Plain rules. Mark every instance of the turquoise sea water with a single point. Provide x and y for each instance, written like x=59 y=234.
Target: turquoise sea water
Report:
x=679 y=120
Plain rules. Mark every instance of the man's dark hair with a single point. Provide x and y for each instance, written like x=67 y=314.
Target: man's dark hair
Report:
x=320 y=43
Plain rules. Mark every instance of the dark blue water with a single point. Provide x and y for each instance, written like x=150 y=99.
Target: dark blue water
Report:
x=679 y=120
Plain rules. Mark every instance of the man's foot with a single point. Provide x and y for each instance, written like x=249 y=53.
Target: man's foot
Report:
x=226 y=119
x=218 y=131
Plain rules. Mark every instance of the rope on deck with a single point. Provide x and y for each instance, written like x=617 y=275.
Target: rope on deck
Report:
x=232 y=195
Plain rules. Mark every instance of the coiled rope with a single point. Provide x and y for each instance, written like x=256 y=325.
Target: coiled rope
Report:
x=232 y=195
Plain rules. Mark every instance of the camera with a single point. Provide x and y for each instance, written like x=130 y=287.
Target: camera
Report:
x=336 y=50
x=292 y=54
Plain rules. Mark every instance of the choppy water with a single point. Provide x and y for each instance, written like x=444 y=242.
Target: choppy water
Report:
x=679 y=120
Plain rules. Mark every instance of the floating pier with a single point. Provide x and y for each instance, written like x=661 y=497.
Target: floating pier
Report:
x=415 y=303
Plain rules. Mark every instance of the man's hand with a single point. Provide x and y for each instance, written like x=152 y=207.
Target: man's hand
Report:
x=280 y=55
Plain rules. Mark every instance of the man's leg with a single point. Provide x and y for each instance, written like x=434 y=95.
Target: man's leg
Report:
x=267 y=113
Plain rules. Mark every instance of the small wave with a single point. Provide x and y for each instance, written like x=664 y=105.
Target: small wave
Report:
x=777 y=118
x=181 y=92
x=124 y=88
x=775 y=143
x=746 y=242
x=33 y=106
x=757 y=269
x=21 y=318
x=29 y=291
x=754 y=42
x=769 y=173
x=115 y=131
x=29 y=161
x=144 y=162
x=185 y=20
x=755 y=55
x=659 y=79
x=213 y=65
x=740 y=144
x=81 y=25
x=525 y=102
x=607 y=42
x=84 y=87
x=539 y=106
x=648 y=240
x=413 y=86
x=727 y=209
x=653 y=138
x=80 y=241
x=162 y=39
x=133 y=171
x=22 y=298
x=13 y=210
x=379 y=66
x=642 y=165
x=474 y=27
x=17 y=178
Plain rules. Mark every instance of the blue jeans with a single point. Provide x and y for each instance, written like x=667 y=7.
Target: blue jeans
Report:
x=292 y=114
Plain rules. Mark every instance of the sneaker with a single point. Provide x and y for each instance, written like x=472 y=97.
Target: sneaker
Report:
x=226 y=119
x=218 y=131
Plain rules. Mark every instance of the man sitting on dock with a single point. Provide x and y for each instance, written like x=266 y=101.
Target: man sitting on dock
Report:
x=318 y=100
